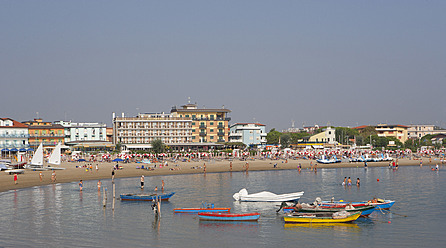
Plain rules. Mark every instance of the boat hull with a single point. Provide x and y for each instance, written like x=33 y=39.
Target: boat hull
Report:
x=387 y=204
x=201 y=210
x=365 y=211
x=138 y=197
x=229 y=217
x=266 y=196
x=313 y=218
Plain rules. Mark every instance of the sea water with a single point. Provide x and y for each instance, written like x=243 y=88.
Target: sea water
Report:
x=61 y=216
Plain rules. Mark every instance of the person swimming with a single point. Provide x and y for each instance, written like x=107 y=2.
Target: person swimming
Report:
x=349 y=181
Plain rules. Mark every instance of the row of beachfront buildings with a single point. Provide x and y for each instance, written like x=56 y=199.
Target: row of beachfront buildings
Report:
x=185 y=127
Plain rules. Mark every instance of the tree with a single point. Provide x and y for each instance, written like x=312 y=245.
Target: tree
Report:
x=273 y=136
x=343 y=134
x=285 y=140
x=118 y=146
x=158 y=146
x=295 y=137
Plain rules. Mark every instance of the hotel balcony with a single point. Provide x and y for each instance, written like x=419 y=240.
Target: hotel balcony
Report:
x=202 y=126
x=47 y=135
x=14 y=136
x=220 y=126
x=221 y=134
x=202 y=134
x=220 y=140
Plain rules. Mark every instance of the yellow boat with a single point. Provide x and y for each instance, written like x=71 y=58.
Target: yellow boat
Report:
x=337 y=217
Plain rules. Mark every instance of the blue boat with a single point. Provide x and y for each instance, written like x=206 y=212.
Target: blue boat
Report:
x=229 y=217
x=142 y=197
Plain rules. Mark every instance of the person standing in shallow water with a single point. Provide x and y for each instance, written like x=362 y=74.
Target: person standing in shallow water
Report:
x=349 y=181
x=345 y=181
x=142 y=182
x=357 y=182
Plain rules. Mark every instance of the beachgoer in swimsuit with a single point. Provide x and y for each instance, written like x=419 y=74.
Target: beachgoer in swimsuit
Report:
x=142 y=181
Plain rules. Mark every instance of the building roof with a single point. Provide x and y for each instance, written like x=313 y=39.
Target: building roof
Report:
x=361 y=127
x=201 y=110
x=258 y=124
x=15 y=124
x=387 y=125
x=52 y=126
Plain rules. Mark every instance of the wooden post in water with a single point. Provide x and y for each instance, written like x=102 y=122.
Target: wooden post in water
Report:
x=158 y=205
x=104 y=199
x=114 y=196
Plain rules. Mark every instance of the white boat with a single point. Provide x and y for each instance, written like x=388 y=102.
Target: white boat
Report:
x=55 y=158
x=55 y=155
x=266 y=196
x=37 y=160
x=332 y=160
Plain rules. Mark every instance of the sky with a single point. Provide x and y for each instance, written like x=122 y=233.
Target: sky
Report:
x=342 y=63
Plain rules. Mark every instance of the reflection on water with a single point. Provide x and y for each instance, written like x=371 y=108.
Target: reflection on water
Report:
x=61 y=214
x=335 y=226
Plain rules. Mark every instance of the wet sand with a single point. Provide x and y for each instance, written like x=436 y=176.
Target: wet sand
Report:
x=72 y=174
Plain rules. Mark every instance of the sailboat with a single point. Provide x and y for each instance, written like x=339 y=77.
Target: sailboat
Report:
x=37 y=160
x=55 y=158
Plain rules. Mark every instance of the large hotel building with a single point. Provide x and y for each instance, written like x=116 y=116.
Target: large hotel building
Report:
x=138 y=132
x=208 y=125
x=184 y=127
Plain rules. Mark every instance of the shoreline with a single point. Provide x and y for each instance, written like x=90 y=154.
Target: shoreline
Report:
x=31 y=178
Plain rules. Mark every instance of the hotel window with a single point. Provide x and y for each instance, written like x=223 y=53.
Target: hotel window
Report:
x=211 y=130
x=194 y=116
x=211 y=137
x=193 y=123
x=211 y=123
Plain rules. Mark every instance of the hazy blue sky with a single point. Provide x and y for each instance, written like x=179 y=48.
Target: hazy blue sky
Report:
x=344 y=62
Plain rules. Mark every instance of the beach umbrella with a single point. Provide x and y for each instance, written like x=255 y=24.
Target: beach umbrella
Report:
x=117 y=160
x=81 y=160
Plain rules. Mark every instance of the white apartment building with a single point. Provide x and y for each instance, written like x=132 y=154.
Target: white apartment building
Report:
x=13 y=135
x=139 y=132
x=83 y=131
x=417 y=131
x=248 y=133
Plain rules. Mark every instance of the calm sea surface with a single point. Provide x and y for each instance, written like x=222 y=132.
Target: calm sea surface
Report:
x=61 y=216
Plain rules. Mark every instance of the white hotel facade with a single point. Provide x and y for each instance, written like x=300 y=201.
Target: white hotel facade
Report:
x=138 y=132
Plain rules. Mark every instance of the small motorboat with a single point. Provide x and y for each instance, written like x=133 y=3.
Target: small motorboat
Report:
x=229 y=217
x=365 y=210
x=321 y=217
x=378 y=203
x=143 y=197
x=205 y=208
x=266 y=196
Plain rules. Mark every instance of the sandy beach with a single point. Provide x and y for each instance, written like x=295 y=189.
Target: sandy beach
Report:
x=31 y=178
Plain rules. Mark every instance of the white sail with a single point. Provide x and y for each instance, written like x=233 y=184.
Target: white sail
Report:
x=55 y=155
x=38 y=156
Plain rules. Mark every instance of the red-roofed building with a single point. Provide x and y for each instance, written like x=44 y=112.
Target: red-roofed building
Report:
x=397 y=131
x=44 y=132
x=13 y=135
